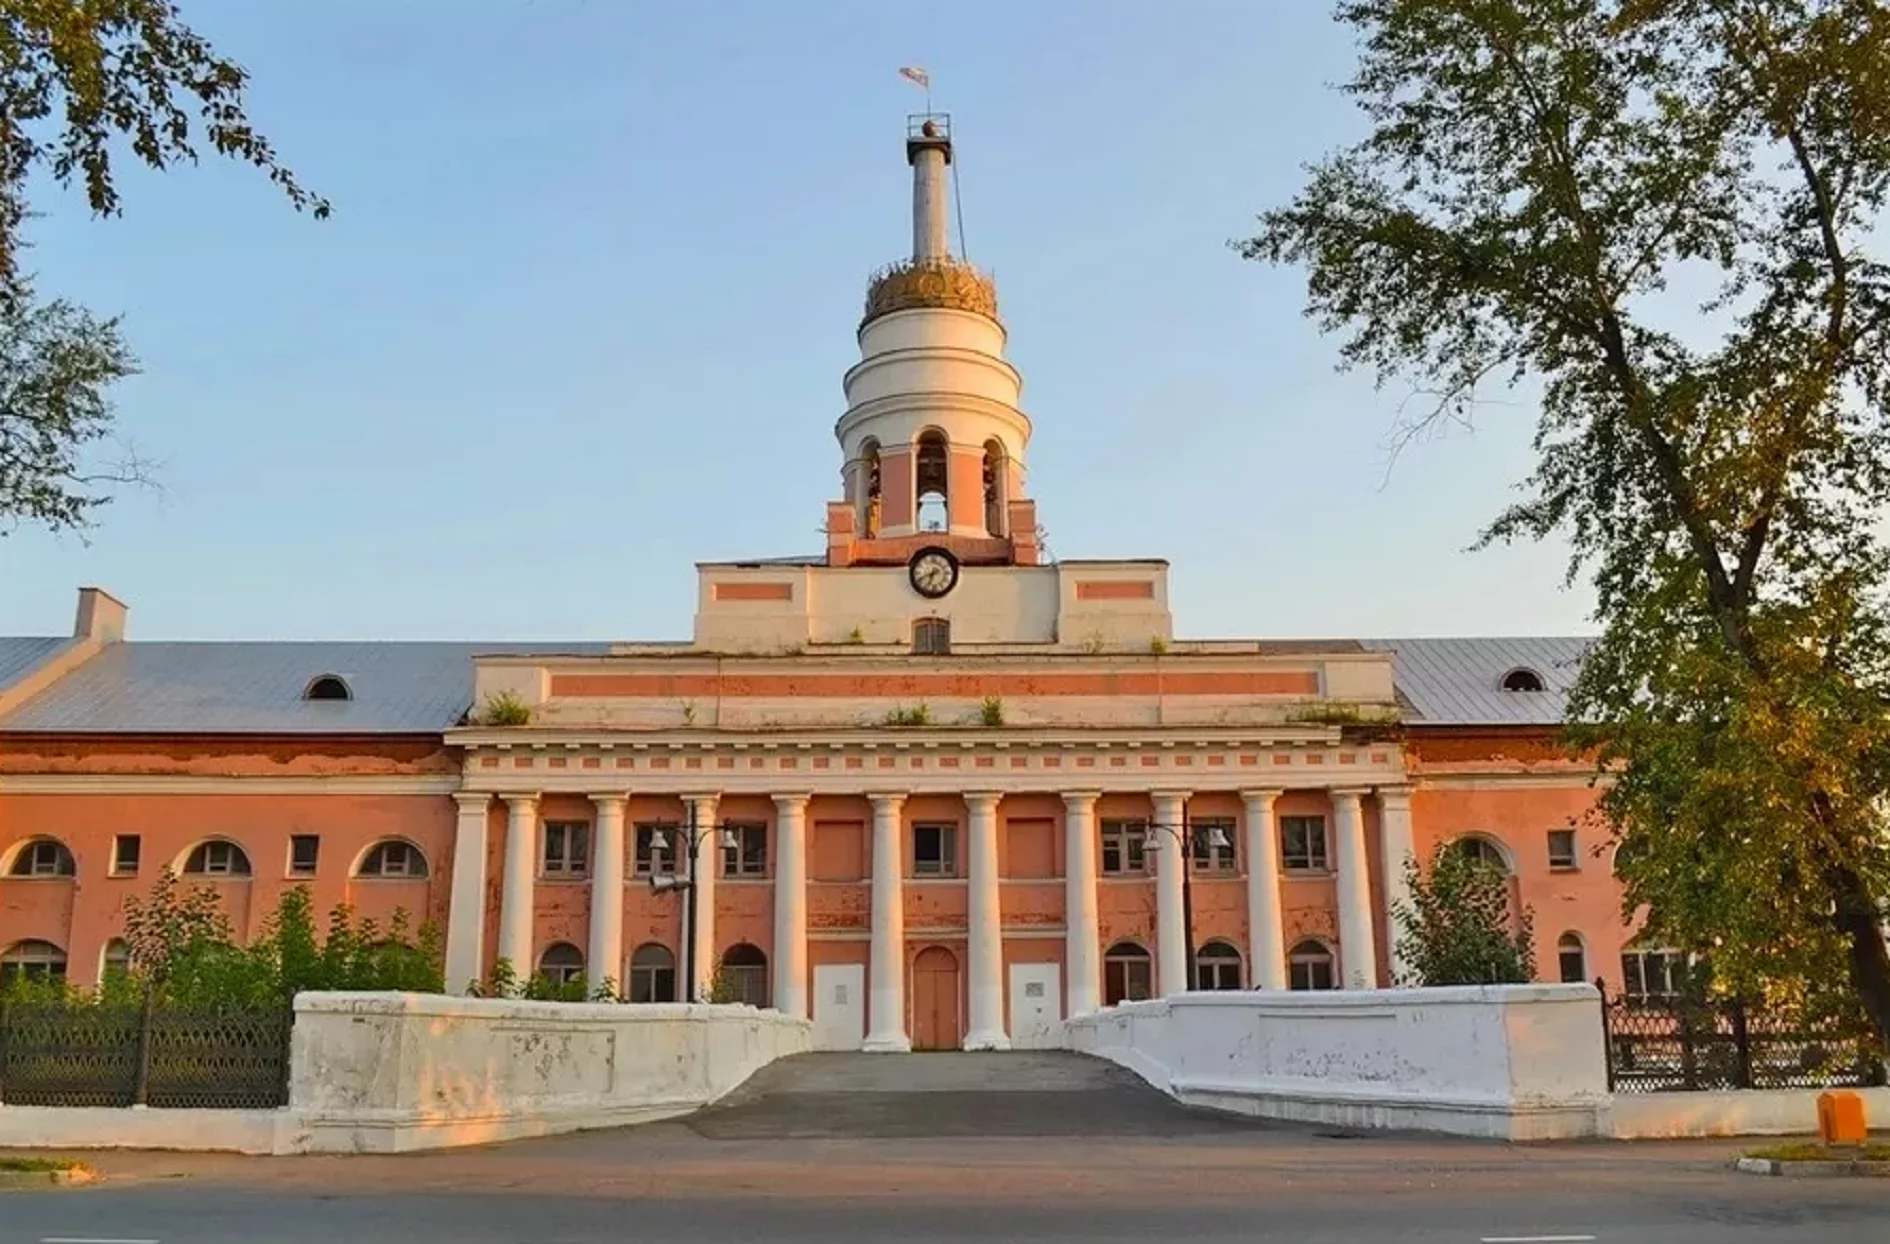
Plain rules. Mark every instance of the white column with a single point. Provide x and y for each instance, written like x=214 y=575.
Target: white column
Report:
x=1358 y=943
x=1394 y=828
x=985 y=933
x=466 y=918
x=928 y=203
x=1082 y=955
x=886 y=1028
x=605 y=955
x=790 y=905
x=521 y=868
x=1266 y=934
x=1171 y=932
x=703 y=870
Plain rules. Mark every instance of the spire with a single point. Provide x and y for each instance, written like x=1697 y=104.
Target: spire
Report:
x=929 y=150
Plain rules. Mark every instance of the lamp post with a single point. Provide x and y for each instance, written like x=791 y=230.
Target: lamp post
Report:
x=1183 y=834
x=691 y=836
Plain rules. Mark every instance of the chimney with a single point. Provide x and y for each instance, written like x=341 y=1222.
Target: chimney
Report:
x=101 y=617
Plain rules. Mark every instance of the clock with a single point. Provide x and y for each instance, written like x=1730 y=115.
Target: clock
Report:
x=933 y=572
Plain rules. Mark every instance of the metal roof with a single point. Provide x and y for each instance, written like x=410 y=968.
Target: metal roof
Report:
x=256 y=688
x=20 y=657
x=1459 y=682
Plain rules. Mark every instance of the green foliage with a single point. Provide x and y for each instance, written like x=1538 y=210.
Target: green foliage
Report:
x=1537 y=178
x=183 y=951
x=1157 y=646
x=541 y=988
x=1458 y=928
x=504 y=708
x=722 y=987
x=80 y=86
x=918 y=715
x=991 y=712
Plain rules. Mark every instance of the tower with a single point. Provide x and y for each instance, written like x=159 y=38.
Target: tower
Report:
x=933 y=442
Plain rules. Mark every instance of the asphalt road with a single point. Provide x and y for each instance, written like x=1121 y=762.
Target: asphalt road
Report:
x=954 y=1150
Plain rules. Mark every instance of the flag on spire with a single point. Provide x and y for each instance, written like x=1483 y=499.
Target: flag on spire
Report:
x=912 y=73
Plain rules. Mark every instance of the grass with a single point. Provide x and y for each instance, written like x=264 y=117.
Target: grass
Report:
x=32 y=1165
x=1809 y=1151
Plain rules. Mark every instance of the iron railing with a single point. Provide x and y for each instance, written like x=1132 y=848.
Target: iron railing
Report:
x=1665 y=1045
x=149 y=1054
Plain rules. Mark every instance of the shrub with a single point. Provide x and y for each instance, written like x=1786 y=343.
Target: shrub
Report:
x=504 y=708
x=1457 y=928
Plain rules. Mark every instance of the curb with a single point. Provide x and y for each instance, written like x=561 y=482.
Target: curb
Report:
x=1812 y=1170
x=70 y=1178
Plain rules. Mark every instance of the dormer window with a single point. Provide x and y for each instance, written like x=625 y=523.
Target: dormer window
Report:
x=328 y=687
x=1522 y=680
x=932 y=637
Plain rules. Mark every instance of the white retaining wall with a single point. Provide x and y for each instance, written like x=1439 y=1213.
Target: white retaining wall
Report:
x=1745 y=1112
x=393 y=1072
x=1520 y=1062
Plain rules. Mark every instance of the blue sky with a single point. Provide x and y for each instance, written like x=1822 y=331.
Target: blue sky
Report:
x=584 y=250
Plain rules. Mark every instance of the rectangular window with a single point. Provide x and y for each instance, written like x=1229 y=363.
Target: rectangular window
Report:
x=567 y=848
x=127 y=850
x=1652 y=974
x=1309 y=972
x=935 y=850
x=749 y=856
x=1303 y=845
x=304 y=850
x=652 y=859
x=1124 y=848
x=1213 y=847
x=1562 y=848
x=1126 y=979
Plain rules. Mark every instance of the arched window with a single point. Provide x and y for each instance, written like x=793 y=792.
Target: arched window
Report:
x=562 y=963
x=1310 y=965
x=216 y=858
x=932 y=483
x=43 y=857
x=33 y=961
x=1217 y=966
x=1127 y=974
x=932 y=637
x=995 y=486
x=1572 y=958
x=393 y=858
x=652 y=974
x=1482 y=851
x=746 y=969
x=1522 y=679
x=116 y=959
x=328 y=687
x=868 y=497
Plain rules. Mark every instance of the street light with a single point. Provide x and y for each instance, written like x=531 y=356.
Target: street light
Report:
x=1183 y=834
x=692 y=836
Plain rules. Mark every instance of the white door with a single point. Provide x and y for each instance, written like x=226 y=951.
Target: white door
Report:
x=839 y=1006
x=1036 y=1006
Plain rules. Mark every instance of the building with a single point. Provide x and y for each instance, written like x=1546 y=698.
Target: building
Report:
x=932 y=788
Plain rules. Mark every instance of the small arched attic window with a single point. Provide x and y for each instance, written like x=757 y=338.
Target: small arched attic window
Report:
x=1522 y=678
x=328 y=687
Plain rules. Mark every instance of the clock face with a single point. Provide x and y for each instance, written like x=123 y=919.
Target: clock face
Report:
x=934 y=572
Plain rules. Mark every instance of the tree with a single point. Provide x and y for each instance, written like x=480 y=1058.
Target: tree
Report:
x=1457 y=928
x=1540 y=181
x=82 y=82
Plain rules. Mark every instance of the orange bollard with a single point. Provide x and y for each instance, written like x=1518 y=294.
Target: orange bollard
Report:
x=1841 y=1119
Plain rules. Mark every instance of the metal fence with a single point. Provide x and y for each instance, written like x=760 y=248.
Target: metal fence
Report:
x=143 y=1055
x=1665 y=1045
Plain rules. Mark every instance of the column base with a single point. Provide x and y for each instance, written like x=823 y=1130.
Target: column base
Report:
x=888 y=1043
x=987 y=1041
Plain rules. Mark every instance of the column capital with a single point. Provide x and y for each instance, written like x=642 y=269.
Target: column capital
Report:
x=1351 y=794
x=973 y=798
x=796 y=801
x=1183 y=795
x=472 y=801
x=1393 y=795
x=887 y=801
x=610 y=799
x=521 y=802
x=1262 y=796
x=702 y=797
x=1075 y=799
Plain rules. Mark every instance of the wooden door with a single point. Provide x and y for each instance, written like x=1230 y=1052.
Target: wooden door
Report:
x=935 y=1000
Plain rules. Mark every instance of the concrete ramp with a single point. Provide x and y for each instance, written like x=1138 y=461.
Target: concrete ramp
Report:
x=949 y=1094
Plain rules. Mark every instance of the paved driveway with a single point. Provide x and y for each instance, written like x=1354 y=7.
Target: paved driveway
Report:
x=836 y=1096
